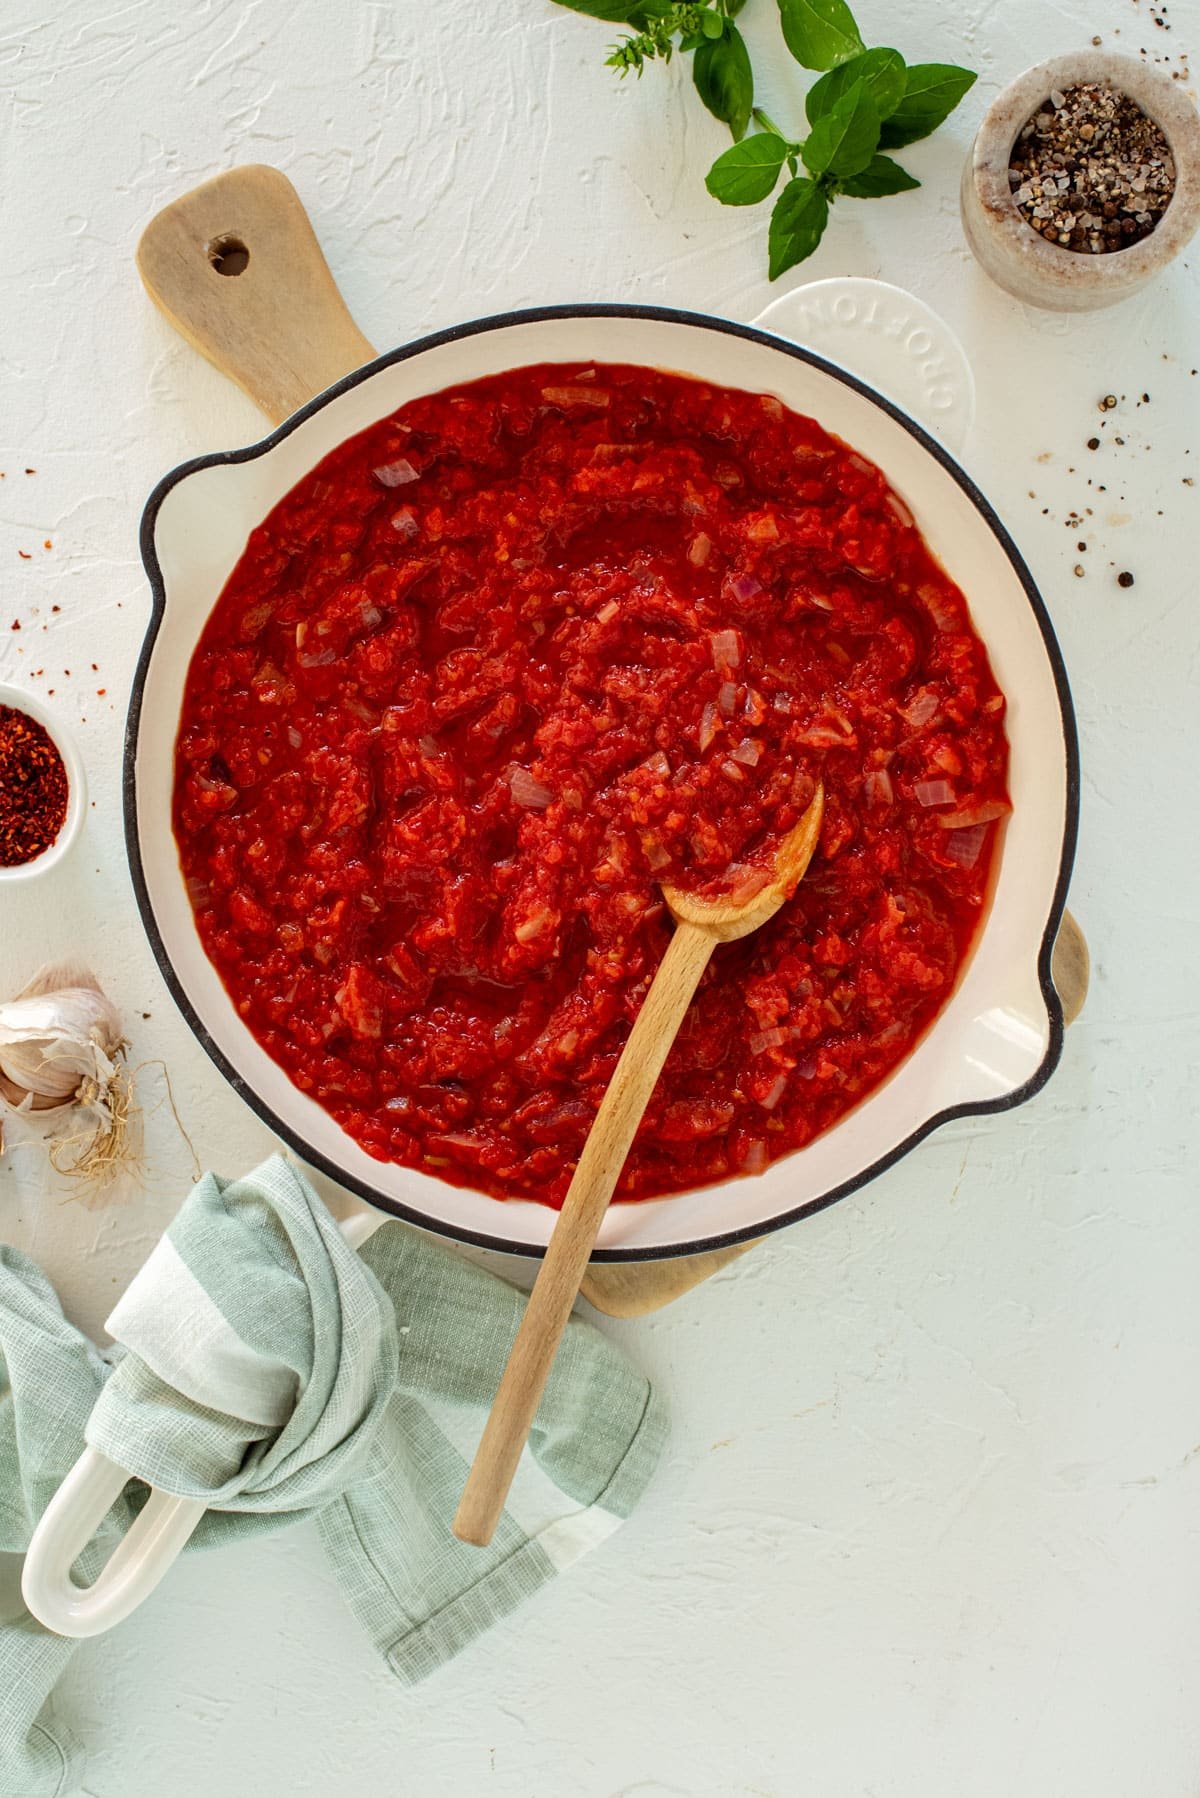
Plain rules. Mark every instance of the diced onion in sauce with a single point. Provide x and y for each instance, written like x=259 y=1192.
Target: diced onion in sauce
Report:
x=921 y=709
x=396 y=474
x=576 y=396
x=726 y=650
x=964 y=846
x=934 y=792
x=985 y=813
x=755 y=1158
x=528 y=791
x=708 y=726
x=774 y=1092
x=747 y=752
x=744 y=587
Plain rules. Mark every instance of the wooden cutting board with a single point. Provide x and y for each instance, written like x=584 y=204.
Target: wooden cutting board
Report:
x=633 y=1288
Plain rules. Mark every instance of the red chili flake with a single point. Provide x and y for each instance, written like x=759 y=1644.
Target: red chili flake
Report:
x=25 y=555
x=31 y=471
x=33 y=788
x=16 y=624
x=47 y=544
x=100 y=692
x=56 y=608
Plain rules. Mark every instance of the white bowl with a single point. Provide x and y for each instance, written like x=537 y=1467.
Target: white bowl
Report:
x=1000 y=1034
x=33 y=707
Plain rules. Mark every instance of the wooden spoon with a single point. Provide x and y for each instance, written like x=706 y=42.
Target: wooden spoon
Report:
x=700 y=924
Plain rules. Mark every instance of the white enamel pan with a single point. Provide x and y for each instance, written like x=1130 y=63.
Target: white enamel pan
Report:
x=236 y=267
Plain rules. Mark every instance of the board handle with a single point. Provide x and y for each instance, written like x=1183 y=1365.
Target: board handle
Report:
x=236 y=267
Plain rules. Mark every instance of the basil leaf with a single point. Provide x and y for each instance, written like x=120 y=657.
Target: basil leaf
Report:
x=881 y=176
x=616 y=12
x=724 y=80
x=733 y=8
x=931 y=92
x=819 y=33
x=883 y=72
x=797 y=224
x=711 y=23
x=748 y=172
x=844 y=141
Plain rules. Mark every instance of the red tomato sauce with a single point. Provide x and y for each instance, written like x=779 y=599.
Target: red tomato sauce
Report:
x=506 y=661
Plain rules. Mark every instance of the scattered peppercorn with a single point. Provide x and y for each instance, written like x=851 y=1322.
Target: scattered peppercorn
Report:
x=1125 y=579
x=1081 y=546
x=1108 y=402
x=1079 y=567
x=33 y=788
x=1093 y=443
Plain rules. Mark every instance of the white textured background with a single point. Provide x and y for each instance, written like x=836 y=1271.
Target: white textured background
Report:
x=930 y=1521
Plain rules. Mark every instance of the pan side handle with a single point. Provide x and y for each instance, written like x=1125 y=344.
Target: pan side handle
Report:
x=236 y=267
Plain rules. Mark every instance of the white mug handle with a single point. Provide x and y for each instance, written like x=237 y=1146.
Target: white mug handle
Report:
x=141 y=1557
x=888 y=338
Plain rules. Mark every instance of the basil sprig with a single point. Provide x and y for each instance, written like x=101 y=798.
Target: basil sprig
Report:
x=865 y=102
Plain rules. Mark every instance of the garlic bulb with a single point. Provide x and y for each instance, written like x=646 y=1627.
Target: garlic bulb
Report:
x=59 y=1041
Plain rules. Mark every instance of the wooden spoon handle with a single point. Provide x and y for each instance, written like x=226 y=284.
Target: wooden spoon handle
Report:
x=566 y=1258
x=237 y=269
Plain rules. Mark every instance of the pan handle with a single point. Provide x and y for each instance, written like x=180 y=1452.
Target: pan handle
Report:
x=141 y=1557
x=236 y=267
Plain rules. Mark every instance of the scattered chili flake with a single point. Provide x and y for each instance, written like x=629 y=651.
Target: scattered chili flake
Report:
x=25 y=555
x=16 y=624
x=47 y=544
x=1125 y=579
x=56 y=608
x=33 y=788
x=1091 y=171
x=31 y=471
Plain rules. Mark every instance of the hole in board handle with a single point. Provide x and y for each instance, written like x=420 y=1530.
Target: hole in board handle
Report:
x=228 y=255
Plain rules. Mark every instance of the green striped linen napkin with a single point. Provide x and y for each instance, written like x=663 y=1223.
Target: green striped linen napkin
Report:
x=263 y=1366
